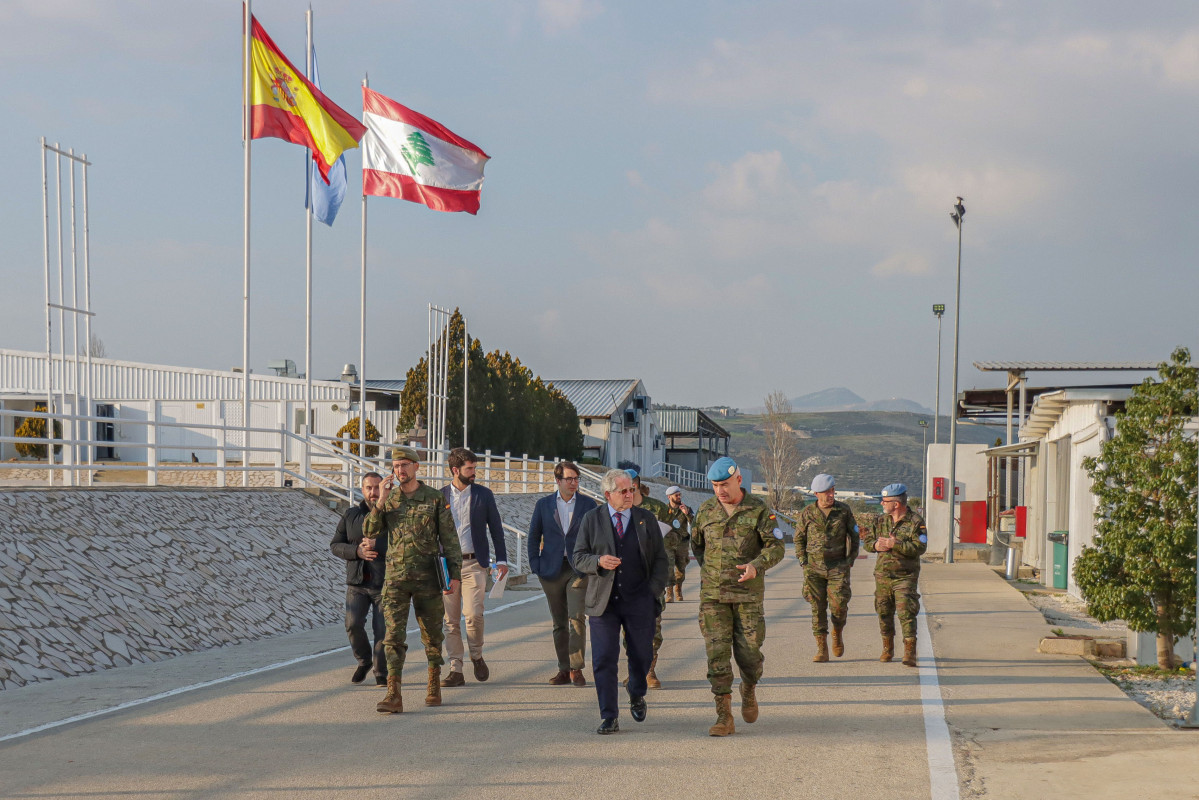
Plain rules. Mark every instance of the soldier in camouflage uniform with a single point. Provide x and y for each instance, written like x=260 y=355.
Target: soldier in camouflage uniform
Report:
x=900 y=538
x=656 y=507
x=826 y=544
x=678 y=541
x=419 y=527
x=735 y=539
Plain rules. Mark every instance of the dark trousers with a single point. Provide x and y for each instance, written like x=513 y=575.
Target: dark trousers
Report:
x=635 y=615
x=359 y=601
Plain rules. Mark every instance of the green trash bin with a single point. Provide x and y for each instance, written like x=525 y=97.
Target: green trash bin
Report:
x=1061 y=550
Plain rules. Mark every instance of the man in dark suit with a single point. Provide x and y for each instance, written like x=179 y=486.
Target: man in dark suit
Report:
x=619 y=547
x=552 y=534
x=475 y=515
x=365 y=565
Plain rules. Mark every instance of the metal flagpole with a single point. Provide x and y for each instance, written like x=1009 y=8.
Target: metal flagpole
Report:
x=362 y=330
x=87 y=325
x=958 y=215
x=74 y=431
x=429 y=386
x=305 y=454
x=247 y=100
x=465 y=377
x=49 y=317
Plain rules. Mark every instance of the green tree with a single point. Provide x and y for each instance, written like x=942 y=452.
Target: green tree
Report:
x=1141 y=567
x=350 y=431
x=35 y=428
x=511 y=409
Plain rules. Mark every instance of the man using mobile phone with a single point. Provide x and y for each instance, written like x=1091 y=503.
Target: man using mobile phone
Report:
x=418 y=526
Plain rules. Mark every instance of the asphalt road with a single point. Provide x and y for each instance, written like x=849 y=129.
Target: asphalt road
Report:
x=853 y=727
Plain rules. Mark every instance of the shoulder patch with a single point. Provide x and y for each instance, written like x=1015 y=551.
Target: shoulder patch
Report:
x=923 y=539
x=772 y=516
x=778 y=534
x=856 y=529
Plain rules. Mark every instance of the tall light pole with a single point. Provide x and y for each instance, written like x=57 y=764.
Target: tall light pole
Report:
x=938 y=312
x=958 y=213
x=923 y=423
x=1192 y=720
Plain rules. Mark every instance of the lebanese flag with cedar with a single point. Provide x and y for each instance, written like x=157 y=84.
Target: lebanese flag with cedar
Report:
x=411 y=157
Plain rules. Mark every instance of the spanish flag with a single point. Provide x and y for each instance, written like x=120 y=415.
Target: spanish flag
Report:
x=286 y=105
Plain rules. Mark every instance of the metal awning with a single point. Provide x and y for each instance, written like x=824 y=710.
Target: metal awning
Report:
x=1015 y=450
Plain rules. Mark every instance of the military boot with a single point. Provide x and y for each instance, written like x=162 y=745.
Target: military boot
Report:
x=669 y=594
x=678 y=592
x=821 y=649
x=749 y=702
x=651 y=678
x=909 y=652
x=392 y=703
x=838 y=642
x=888 y=648
x=724 y=717
x=433 y=692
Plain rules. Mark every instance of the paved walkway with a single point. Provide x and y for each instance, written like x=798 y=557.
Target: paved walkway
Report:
x=1022 y=724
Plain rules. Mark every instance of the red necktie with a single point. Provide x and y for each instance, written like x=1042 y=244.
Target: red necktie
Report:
x=619 y=524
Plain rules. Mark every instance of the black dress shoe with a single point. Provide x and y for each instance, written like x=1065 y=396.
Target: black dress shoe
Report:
x=482 y=673
x=608 y=726
x=380 y=680
x=637 y=708
x=360 y=673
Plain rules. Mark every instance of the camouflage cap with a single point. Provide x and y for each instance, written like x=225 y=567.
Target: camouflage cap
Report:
x=405 y=453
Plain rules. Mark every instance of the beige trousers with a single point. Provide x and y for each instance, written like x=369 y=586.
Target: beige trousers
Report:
x=468 y=601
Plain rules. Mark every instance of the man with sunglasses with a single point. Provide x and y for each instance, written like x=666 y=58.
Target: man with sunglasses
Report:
x=900 y=538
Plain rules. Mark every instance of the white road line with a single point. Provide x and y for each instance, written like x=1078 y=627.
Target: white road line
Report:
x=225 y=679
x=942 y=775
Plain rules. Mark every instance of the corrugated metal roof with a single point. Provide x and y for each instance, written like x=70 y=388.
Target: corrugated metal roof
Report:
x=677 y=420
x=1064 y=366
x=596 y=398
x=386 y=385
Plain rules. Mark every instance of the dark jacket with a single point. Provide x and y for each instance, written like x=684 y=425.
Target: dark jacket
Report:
x=484 y=517
x=597 y=538
x=548 y=544
x=345 y=545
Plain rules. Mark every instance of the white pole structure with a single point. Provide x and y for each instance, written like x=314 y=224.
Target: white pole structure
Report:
x=938 y=312
x=429 y=385
x=958 y=213
x=445 y=380
x=247 y=102
x=304 y=455
x=72 y=476
x=465 y=377
x=49 y=317
x=87 y=325
x=362 y=331
x=1192 y=720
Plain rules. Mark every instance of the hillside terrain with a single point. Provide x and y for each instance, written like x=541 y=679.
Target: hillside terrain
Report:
x=865 y=450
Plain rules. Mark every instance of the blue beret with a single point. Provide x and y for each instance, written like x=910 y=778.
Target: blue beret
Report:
x=823 y=482
x=722 y=469
x=894 y=490
x=632 y=473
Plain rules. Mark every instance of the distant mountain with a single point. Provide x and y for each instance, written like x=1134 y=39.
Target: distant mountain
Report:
x=893 y=404
x=839 y=399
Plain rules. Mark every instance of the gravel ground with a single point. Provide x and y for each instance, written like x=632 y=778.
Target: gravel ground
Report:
x=1168 y=697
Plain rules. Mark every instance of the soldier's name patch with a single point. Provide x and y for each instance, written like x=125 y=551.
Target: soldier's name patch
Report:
x=778 y=534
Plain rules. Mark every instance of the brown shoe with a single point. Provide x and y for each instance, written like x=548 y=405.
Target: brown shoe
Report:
x=482 y=673
x=838 y=642
x=821 y=649
x=724 y=717
x=909 y=652
x=433 y=690
x=561 y=678
x=749 y=702
x=392 y=703
x=888 y=648
x=453 y=679
x=576 y=677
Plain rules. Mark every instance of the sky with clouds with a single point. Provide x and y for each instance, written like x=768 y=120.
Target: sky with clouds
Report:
x=721 y=198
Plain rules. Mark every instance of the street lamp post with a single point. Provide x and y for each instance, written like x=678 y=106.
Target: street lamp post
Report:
x=958 y=213
x=923 y=423
x=938 y=312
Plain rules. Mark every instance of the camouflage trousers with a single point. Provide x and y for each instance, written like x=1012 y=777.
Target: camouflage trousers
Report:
x=828 y=591
x=678 y=554
x=429 y=609
x=732 y=631
x=897 y=593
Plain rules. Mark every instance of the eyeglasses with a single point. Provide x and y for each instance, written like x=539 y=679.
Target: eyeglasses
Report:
x=624 y=491
x=569 y=479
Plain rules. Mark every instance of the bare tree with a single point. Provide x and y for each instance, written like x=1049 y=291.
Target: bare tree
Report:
x=778 y=455
x=96 y=348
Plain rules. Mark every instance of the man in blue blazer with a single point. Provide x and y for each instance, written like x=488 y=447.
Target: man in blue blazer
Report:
x=619 y=548
x=475 y=516
x=552 y=532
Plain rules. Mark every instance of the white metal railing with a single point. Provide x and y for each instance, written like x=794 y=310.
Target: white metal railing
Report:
x=683 y=477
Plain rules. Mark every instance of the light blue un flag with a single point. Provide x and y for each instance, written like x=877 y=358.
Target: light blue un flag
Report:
x=325 y=199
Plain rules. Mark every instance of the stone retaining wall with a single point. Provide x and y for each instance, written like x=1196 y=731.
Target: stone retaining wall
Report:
x=95 y=578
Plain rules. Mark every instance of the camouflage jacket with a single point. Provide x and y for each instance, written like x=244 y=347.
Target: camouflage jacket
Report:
x=415 y=527
x=678 y=520
x=911 y=540
x=656 y=507
x=750 y=535
x=830 y=541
